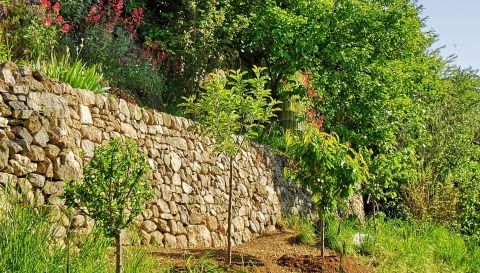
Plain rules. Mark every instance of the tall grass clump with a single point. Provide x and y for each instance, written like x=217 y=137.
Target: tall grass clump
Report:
x=73 y=71
x=304 y=230
x=401 y=246
x=26 y=243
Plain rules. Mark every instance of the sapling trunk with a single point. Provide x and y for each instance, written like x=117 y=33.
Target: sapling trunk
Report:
x=322 y=234
x=118 y=252
x=229 y=213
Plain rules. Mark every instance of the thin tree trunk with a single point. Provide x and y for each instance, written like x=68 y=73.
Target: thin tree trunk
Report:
x=322 y=234
x=229 y=228
x=118 y=253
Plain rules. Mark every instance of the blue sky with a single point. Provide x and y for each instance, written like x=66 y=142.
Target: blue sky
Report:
x=457 y=22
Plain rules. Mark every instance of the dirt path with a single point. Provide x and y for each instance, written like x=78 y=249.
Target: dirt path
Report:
x=268 y=252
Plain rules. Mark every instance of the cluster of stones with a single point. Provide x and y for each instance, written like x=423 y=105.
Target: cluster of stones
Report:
x=49 y=130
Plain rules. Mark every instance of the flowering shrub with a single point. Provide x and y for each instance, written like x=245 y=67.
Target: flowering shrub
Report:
x=32 y=29
x=110 y=13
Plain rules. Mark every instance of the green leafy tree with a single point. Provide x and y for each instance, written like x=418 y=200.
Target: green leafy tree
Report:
x=113 y=190
x=330 y=169
x=231 y=110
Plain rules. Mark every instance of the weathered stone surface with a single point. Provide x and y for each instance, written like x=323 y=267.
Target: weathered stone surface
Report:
x=22 y=132
x=91 y=133
x=66 y=167
x=41 y=138
x=36 y=180
x=51 y=151
x=88 y=147
x=35 y=153
x=198 y=236
x=128 y=130
x=182 y=241
x=4 y=153
x=148 y=226
x=33 y=124
x=175 y=161
x=78 y=220
x=157 y=238
x=179 y=143
x=170 y=241
x=6 y=75
x=85 y=116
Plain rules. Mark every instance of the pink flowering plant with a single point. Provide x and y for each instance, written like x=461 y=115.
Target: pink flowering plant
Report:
x=32 y=29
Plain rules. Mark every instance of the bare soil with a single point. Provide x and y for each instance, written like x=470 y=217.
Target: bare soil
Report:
x=273 y=253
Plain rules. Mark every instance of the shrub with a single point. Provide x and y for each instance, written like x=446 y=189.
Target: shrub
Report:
x=113 y=190
x=31 y=29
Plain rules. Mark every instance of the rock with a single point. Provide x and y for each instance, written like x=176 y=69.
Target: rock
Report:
x=182 y=241
x=91 y=133
x=175 y=161
x=6 y=75
x=87 y=97
x=146 y=237
x=85 y=116
x=157 y=238
x=24 y=70
x=123 y=107
x=238 y=224
x=3 y=122
x=4 y=153
x=45 y=168
x=170 y=241
x=33 y=124
x=59 y=231
x=148 y=226
x=163 y=206
x=128 y=130
x=196 y=218
x=37 y=75
x=212 y=223
x=176 y=180
x=52 y=151
x=209 y=199
x=66 y=167
x=35 y=153
x=167 y=120
x=8 y=179
x=78 y=220
x=178 y=143
x=186 y=188
x=22 y=114
x=36 y=180
x=41 y=138
x=53 y=187
x=14 y=147
x=88 y=147
x=162 y=225
x=22 y=132
x=172 y=224
x=198 y=236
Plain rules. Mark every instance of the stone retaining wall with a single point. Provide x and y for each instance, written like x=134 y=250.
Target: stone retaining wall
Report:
x=48 y=131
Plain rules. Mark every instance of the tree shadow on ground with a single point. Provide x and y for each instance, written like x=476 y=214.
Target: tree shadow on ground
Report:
x=238 y=258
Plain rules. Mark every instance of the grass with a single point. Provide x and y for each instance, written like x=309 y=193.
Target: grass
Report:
x=26 y=246
x=403 y=246
x=304 y=230
x=74 y=72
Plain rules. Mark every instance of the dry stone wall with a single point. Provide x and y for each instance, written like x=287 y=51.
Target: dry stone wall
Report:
x=48 y=131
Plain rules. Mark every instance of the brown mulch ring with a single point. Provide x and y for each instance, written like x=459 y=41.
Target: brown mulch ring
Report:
x=327 y=264
x=273 y=253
